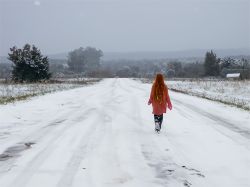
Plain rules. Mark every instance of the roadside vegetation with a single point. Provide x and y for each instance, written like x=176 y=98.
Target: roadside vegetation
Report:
x=11 y=92
x=235 y=93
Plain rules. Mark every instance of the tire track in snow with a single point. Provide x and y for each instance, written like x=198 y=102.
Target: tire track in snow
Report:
x=86 y=143
x=218 y=119
x=107 y=145
x=33 y=165
x=37 y=136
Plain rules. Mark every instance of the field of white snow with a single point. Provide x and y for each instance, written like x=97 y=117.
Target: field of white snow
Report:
x=16 y=91
x=102 y=135
x=231 y=92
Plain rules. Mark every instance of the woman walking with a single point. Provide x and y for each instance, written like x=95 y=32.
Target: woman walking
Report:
x=160 y=100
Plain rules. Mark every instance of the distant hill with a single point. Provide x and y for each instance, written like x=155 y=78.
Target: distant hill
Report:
x=199 y=53
x=150 y=55
x=139 y=55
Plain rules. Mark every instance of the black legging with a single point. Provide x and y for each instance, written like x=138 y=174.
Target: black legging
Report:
x=158 y=119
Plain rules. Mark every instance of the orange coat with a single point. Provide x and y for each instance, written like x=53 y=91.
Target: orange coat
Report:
x=158 y=108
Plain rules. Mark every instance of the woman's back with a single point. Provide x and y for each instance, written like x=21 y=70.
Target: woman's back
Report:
x=160 y=100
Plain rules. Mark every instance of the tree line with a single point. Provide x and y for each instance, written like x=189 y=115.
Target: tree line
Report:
x=29 y=65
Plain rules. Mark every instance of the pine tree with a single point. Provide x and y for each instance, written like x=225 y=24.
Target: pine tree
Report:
x=29 y=65
x=211 y=64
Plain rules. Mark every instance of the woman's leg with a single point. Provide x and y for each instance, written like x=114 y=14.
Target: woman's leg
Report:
x=157 y=119
x=161 y=119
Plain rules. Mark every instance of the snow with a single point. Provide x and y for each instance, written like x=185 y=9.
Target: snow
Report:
x=103 y=135
x=233 y=75
x=15 y=90
x=11 y=90
x=232 y=92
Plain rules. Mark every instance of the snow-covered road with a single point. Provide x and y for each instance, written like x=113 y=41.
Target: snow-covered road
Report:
x=103 y=136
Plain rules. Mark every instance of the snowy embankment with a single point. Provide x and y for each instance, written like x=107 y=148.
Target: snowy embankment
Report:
x=103 y=136
x=235 y=93
x=11 y=92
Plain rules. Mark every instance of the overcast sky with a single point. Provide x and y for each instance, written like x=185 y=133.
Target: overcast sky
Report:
x=57 y=26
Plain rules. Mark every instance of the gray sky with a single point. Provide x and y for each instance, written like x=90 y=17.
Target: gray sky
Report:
x=124 y=25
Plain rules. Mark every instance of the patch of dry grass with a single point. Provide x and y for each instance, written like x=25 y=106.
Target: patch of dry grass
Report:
x=11 y=92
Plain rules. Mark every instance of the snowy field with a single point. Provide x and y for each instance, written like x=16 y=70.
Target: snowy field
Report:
x=9 y=92
x=103 y=136
x=231 y=92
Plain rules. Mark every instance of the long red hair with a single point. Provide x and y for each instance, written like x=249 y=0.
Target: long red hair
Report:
x=159 y=89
